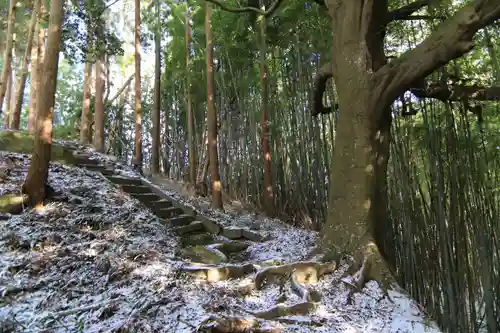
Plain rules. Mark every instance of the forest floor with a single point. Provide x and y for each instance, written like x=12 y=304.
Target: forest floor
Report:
x=97 y=260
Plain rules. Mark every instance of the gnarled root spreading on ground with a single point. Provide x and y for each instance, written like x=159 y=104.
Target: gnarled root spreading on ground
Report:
x=212 y=273
x=299 y=274
x=280 y=310
x=304 y=272
x=369 y=265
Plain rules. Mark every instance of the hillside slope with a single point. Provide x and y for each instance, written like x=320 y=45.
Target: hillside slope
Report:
x=98 y=260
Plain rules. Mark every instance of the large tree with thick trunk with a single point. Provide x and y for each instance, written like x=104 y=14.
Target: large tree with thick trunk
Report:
x=367 y=84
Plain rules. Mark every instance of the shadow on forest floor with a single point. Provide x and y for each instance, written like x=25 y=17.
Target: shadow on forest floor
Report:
x=98 y=260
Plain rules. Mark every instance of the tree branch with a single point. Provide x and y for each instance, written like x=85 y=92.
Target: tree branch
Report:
x=324 y=73
x=418 y=17
x=108 y=103
x=404 y=12
x=451 y=40
x=455 y=93
x=239 y=10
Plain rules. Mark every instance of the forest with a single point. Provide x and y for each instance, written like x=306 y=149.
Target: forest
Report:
x=364 y=134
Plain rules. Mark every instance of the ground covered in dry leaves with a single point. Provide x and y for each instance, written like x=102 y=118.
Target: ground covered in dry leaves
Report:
x=96 y=260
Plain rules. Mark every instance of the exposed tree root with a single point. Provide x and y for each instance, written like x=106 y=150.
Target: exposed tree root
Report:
x=299 y=273
x=220 y=273
x=235 y=325
x=280 y=310
x=303 y=292
x=304 y=272
x=369 y=265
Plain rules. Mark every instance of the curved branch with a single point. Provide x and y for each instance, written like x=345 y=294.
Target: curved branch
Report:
x=406 y=11
x=324 y=73
x=454 y=93
x=450 y=40
x=240 y=10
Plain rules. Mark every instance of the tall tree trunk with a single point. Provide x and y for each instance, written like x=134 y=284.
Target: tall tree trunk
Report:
x=36 y=72
x=155 y=158
x=11 y=101
x=268 y=196
x=167 y=141
x=86 y=120
x=138 y=109
x=212 y=117
x=98 y=141
x=38 y=172
x=118 y=144
x=8 y=97
x=24 y=70
x=7 y=64
x=33 y=79
x=189 y=113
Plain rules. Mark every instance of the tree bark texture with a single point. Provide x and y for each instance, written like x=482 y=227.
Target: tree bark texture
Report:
x=7 y=65
x=86 y=120
x=155 y=158
x=8 y=97
x=38 y=172
x=190 y=118
x=268 y=196
x=138 y=107
x=211 y=116
x=98 y=140
x=36 y=70
x=24 y=71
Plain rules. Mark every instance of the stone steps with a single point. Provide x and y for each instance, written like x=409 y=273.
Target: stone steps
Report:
x=203 y=239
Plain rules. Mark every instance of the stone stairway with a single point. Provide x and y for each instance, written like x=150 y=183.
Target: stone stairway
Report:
x=203 y=240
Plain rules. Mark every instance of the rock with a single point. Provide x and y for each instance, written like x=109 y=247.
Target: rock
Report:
x=230 y=247
x=232 y=233
x=13 y=203
x=204 y=255
x=75 y=200
x=251 y=235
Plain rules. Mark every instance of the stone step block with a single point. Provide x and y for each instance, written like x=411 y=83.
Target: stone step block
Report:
x=205 y=255
x=120 y=180
x=161 y=204
x=180 y=220
x=93 y=167
x=146 y=198
x=169 y=213
x=108 y=172
x=195 y=240
x=138 y=189
x=210 y=226
x=189 y=229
